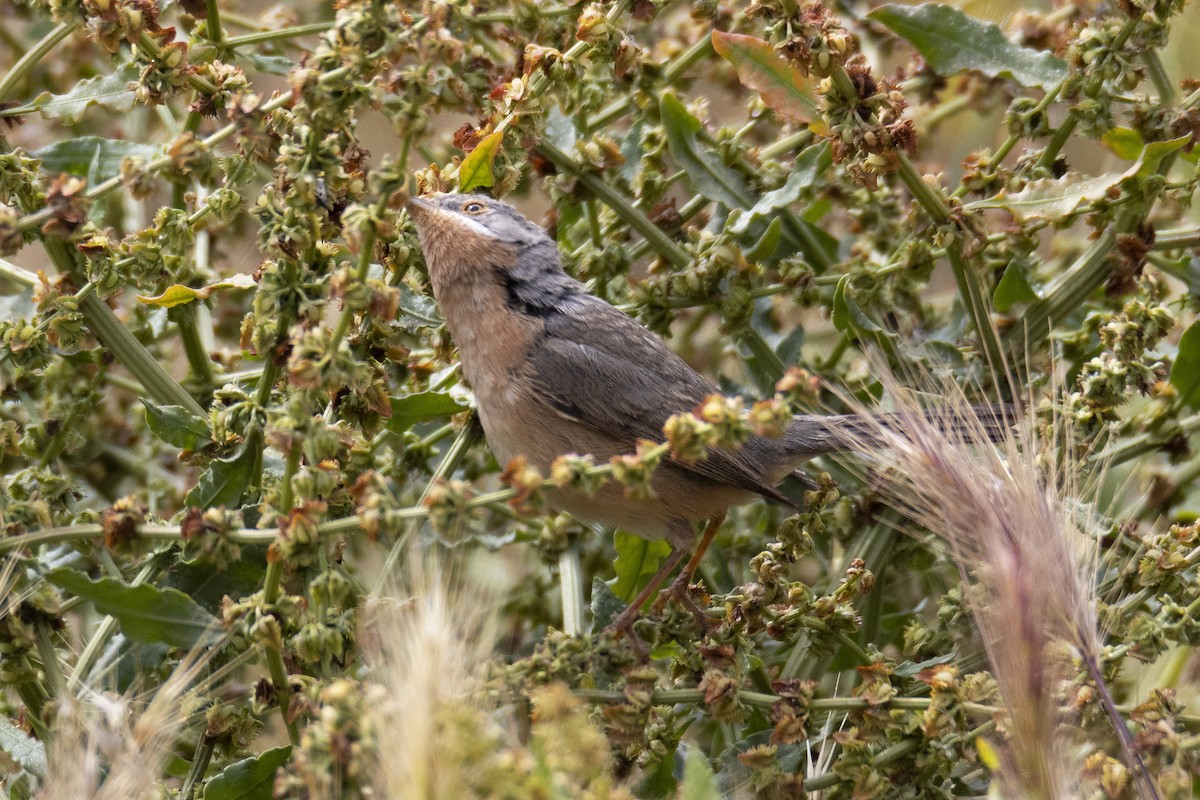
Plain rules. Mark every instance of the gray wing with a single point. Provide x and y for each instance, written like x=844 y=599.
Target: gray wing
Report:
x=598 y=367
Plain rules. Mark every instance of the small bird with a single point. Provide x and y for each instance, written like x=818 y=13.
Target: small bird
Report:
x=556 y=370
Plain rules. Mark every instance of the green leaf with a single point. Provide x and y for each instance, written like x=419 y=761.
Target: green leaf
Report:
x=764 y=248
x=637 y=560
x=1125 y=143
x=762 y=363
x=782 y=87
x=419 y=407
x=809 y=166
x=226 y=480
x=109 y=91
x=1053 y=198
x=1013 y=288
x=707 y=174
x=699 y=782
x=1185 y=371
x=176 y=426
x=91 y=157
x=950 y=42
x=26 y=751
x=1154 y=152
x=475 y=171
x=145 y=613
x=605 y=605
x=178 y=294
x=248 y=779
x=847 y=315
x=272 y=65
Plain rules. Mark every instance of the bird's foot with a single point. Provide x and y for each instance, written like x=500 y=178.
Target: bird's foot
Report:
x=682 y=590
x=623 y=626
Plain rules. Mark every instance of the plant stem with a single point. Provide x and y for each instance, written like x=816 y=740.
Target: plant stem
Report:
x=658 y=240
x=570 y=576
x=273 y=36
x=36 y=218
x=35 y=54
x=1160 y=79
x=200 y=762
x=212 y=27
x=936 y=207
x=270 y=593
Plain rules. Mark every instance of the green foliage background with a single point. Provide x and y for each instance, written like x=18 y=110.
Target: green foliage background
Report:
x=228 y=405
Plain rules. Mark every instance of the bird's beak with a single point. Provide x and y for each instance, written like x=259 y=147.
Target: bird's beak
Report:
x=417 y=206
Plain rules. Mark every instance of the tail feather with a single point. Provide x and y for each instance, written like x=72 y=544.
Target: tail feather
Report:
x=811 y=435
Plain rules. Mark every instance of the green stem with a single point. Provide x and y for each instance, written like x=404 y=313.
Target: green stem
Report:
x=35 y=54
x=1177 y=239
x=273 y=36
x=161 y=387
x=50 y=665
x=200 y=762
x=198 y=358
x=662 y=244
x=151 y=48
x=270 y=593
x=1158 y=76
x=935 y=206
x=570 y=575
x=699 y=49
x=1062 y=135
x=212 y=27
x=36 y=218
x=799 y=139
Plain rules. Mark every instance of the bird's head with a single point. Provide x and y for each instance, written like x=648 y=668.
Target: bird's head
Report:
x=461 y=231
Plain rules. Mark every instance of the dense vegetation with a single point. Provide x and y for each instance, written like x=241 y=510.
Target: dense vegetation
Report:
x=230 y=414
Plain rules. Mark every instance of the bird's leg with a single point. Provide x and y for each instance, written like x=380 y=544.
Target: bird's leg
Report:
x=624 y=621
x=679 y=587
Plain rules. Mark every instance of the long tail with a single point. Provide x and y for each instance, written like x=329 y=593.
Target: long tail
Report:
x=811 y=435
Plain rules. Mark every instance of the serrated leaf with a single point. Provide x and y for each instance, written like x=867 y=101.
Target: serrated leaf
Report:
x=26 y=751
x=176 y=426
x=1185 y=370
x=705 y=171
x=419 y=407
x=475 y=171
x=145 y=613
x=950 y=42
x=782 y=87
x=1013 y=288
x=248 y=779
x=699 y=782
x=178 y=294
x=91 y=157
x=637 y=560
x=1053 y=198
x=225 y=480
x=109 y=91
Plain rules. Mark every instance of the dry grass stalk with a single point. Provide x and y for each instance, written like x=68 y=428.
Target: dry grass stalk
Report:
x=1015 y=519
x=427 y=652
x=104 y=749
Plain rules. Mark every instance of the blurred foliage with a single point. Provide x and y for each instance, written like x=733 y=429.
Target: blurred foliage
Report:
x=226 y=393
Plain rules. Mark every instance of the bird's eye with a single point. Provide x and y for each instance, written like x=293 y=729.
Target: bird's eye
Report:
x=473 y=207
